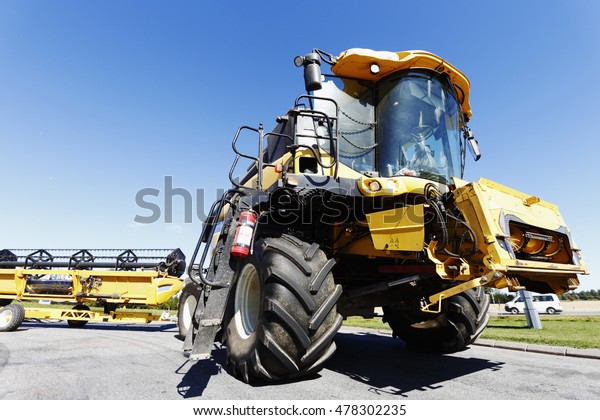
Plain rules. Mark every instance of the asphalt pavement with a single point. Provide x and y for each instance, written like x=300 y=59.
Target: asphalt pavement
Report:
x=50 y=361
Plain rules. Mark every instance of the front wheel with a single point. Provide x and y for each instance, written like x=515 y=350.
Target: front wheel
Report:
x=11 y=317
x=188 y=300
x=551 y=311
x=283 y=315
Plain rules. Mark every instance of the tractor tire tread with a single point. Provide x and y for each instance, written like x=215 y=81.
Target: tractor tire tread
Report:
x=461 y=322
x=299 y=320
x=18 y=316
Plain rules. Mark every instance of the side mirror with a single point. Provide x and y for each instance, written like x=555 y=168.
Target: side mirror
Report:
x=312 y=70
x=473 y=144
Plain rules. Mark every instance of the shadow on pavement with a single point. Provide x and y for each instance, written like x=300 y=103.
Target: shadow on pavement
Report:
x=196 y=375
x=385 y=364
x=389 y=367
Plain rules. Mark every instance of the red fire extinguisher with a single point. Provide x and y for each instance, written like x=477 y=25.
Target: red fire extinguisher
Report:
x=243 y=234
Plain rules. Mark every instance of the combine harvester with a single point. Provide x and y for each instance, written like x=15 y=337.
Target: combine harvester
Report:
x=112 y=278
x=355 y=200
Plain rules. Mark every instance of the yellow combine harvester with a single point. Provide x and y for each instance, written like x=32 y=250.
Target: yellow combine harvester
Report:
x=355 y=201
x=78 y=277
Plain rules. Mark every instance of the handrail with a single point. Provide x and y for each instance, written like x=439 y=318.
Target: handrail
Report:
x=330 y=121
x=196 y=272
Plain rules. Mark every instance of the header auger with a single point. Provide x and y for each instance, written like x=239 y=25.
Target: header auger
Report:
x=355 y=201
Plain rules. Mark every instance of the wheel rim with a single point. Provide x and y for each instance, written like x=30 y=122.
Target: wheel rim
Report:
x=247 y=301
x=189 y=306
x=5 y=318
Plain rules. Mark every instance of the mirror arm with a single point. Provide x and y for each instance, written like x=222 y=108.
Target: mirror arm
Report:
x=473 y=143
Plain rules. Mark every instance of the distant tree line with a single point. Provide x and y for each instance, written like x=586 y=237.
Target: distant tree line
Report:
x=170 y=304
x=498 y=297
x=593 y=294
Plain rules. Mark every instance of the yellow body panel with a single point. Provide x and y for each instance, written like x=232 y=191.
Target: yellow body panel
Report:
x=398 y=229
x=347 y=243
x=356 y=63
x=396 y=186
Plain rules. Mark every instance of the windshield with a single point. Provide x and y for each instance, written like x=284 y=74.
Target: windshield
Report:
x=418 y=127
x=412 y=129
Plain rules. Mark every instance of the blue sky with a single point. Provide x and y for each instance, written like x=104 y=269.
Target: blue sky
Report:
x=101 y=99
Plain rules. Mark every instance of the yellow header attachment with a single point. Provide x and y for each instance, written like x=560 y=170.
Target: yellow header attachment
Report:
x=521 y=236
x=357 y=63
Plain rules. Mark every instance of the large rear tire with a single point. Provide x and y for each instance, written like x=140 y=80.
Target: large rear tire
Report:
x=11 y=317
x=462 y=319
x=188 y=300
x=283 y=316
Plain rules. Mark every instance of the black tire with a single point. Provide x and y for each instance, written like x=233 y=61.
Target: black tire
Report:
x=190 y=295
x=514 y=311
x=5 y=302
x=11 y=317
x=283 y=314
x=77 y=323
x=551 y=311
x=462 y=319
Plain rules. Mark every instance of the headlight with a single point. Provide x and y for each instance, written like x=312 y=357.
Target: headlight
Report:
x=374 y=186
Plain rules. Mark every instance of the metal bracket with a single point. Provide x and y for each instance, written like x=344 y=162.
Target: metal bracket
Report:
x=435 y=301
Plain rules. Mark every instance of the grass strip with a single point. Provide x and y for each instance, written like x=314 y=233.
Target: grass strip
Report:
x=557 y=330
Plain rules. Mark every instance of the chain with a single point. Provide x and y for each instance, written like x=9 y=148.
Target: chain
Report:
x=356 y=121
x=357 y=146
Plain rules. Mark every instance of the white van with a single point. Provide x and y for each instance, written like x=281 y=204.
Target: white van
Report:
x=548 y=303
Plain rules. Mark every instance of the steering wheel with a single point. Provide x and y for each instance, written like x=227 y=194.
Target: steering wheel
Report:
x=421 y=132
